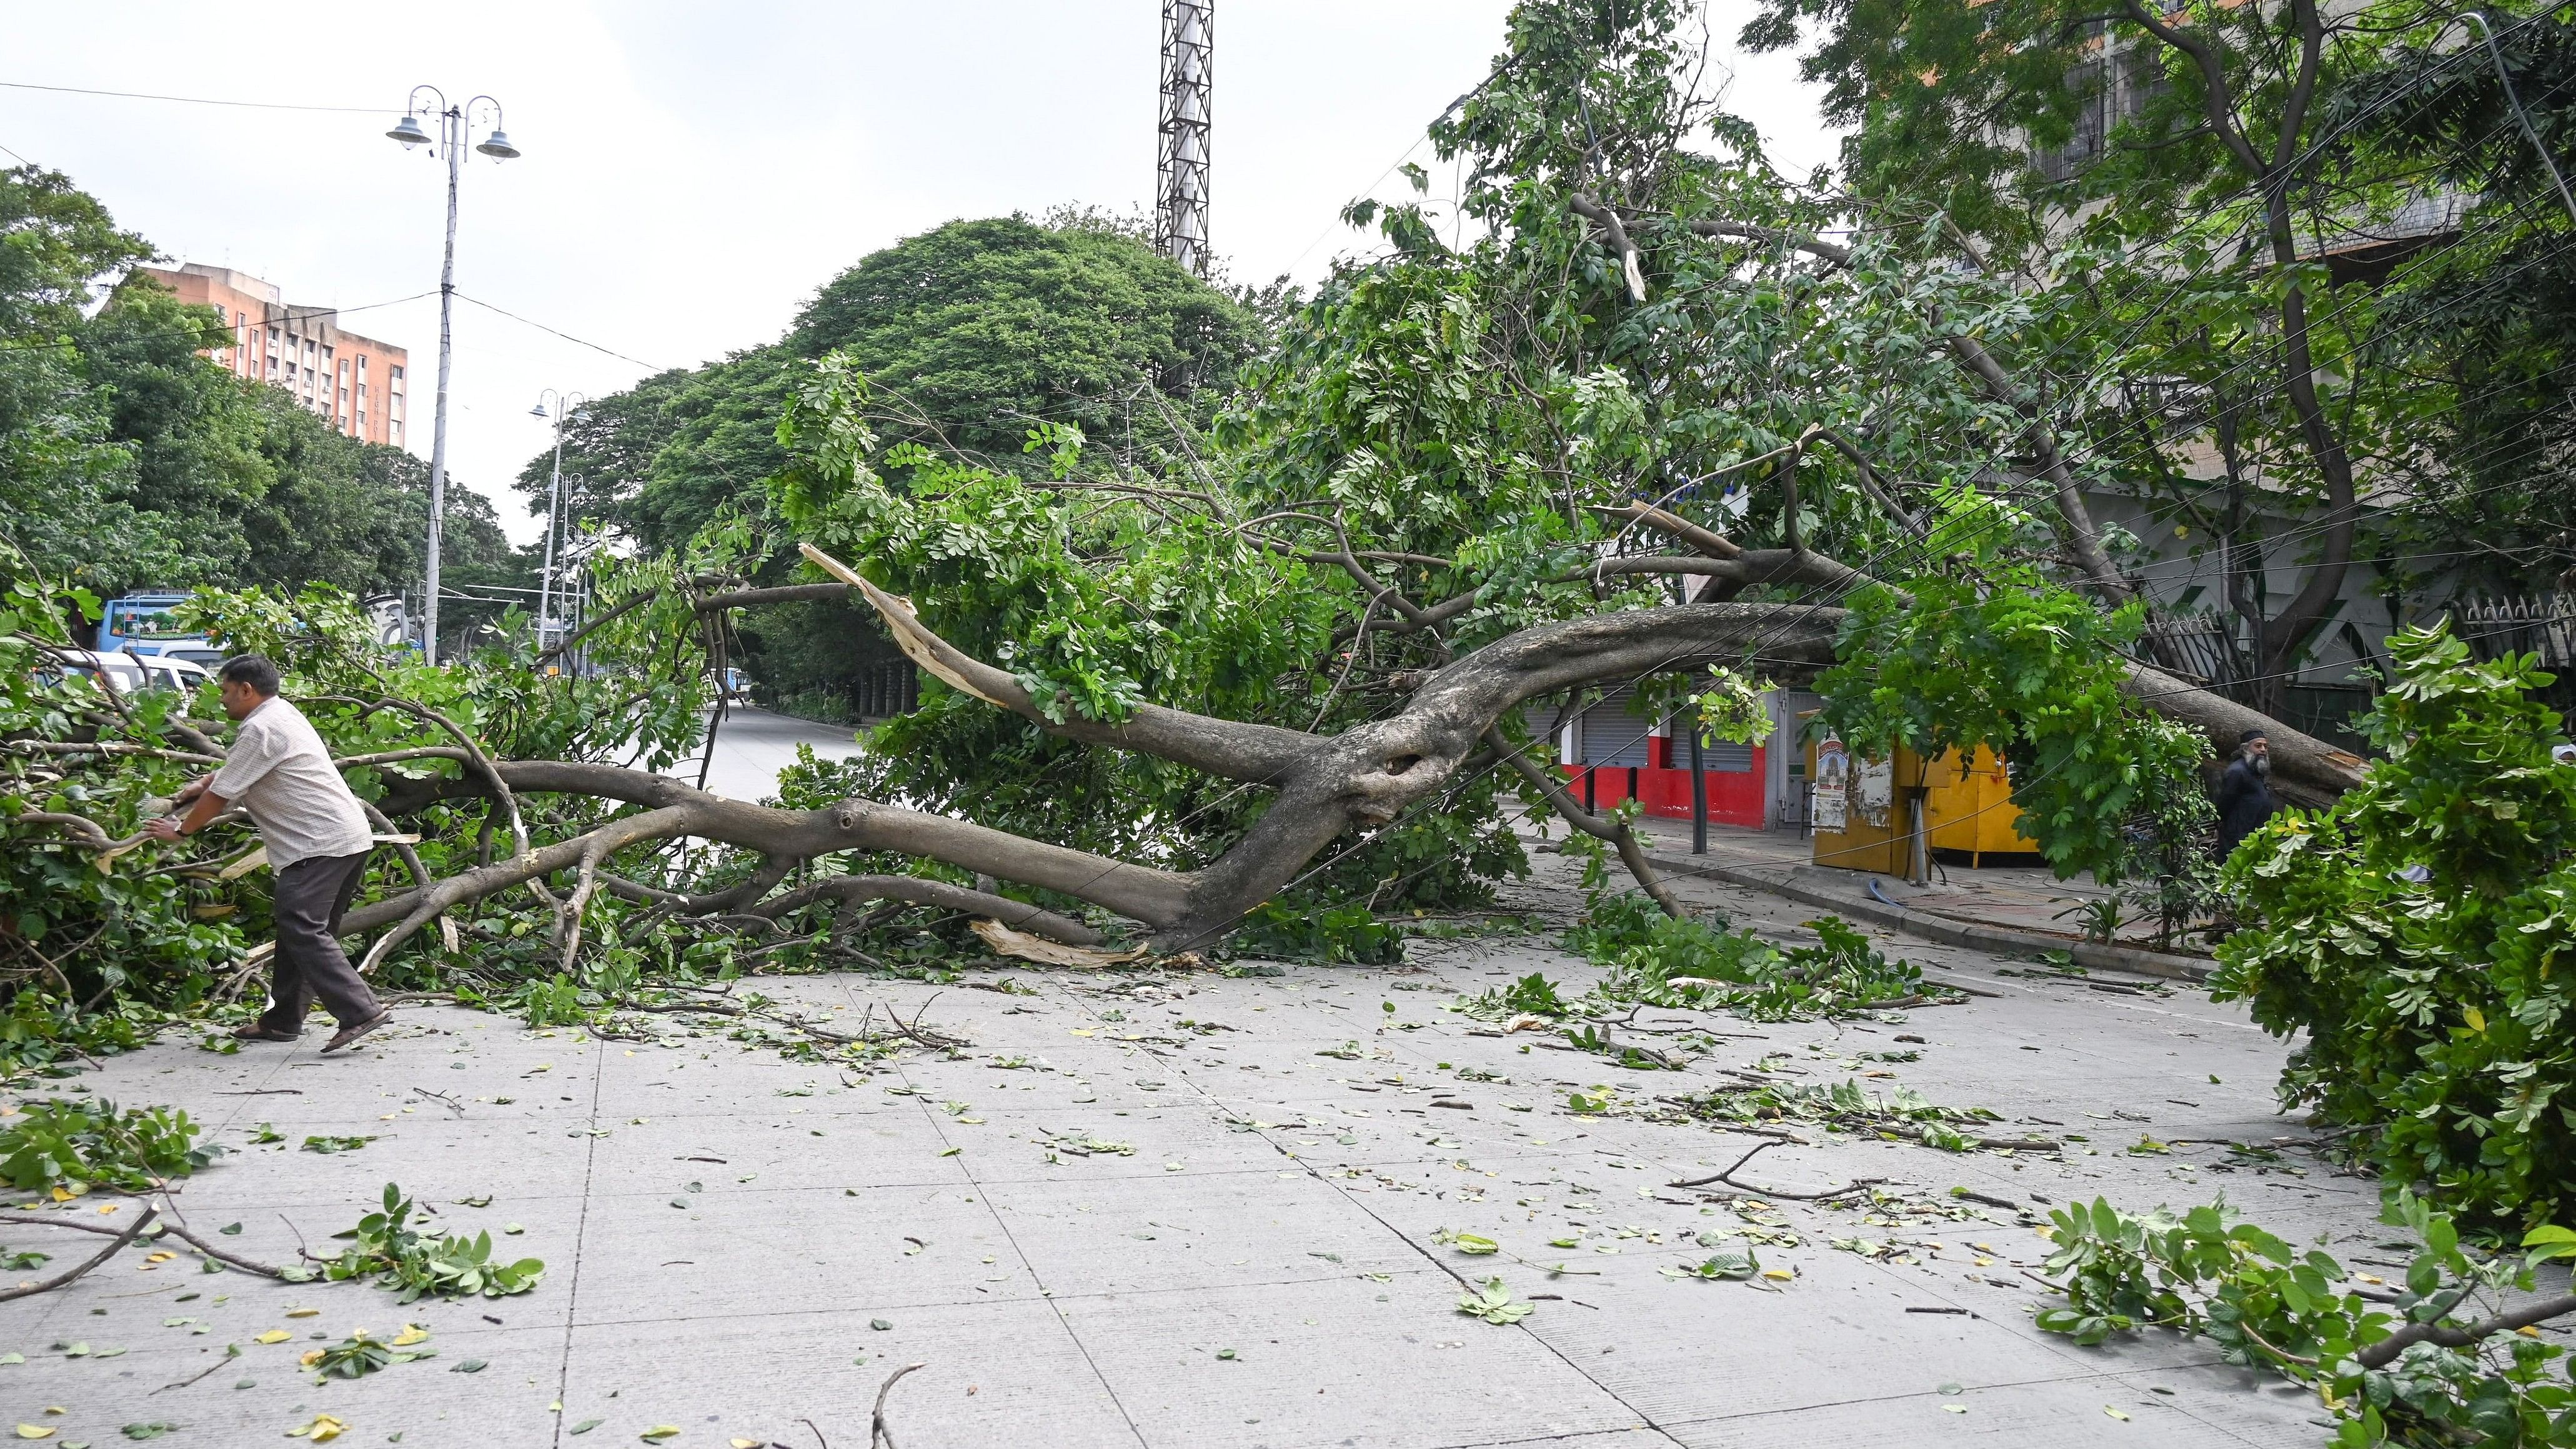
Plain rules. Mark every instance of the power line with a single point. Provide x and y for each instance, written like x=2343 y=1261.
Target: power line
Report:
x=215 y=334
x=566 y=336
x=193 y=100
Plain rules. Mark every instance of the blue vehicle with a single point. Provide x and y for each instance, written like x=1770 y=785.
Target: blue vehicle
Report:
x=143 y=624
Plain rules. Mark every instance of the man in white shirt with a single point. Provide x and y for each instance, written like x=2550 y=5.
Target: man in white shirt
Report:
x=317 y=838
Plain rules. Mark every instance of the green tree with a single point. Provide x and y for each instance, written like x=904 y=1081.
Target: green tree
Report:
x=63 y=475
x=2416 y=935
x=976 y=331
x=2174 y=186
x=128 y=459
x=970 y=334
x=2496 y=313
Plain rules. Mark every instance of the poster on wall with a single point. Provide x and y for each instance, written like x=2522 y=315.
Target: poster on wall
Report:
x=1833 y=783
x=1875 y=787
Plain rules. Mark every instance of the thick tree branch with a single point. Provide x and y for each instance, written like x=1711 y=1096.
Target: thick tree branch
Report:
x=783 y=594
x=1815 y=247
x=1018 y=915
x=1620 y=246
x=2307 y=769
x=1600 y=827
x=1707 y=541
x=1138 y=892
x=1229 y=749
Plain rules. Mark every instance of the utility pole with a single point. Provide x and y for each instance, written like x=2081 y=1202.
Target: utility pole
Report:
x=455 y=124
x=560 y=408
x=1181 y=197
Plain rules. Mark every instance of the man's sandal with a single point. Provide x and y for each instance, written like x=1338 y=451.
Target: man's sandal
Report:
x=257 y=1032
x=349 y=1034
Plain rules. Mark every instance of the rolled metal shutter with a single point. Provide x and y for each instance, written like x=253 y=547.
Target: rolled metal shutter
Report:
x=1720 y=758
x=1610 y=736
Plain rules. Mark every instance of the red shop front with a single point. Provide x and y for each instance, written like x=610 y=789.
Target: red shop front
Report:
x=1663 y=784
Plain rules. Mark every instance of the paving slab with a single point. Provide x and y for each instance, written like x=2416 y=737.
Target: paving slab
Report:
x=1290 y=1179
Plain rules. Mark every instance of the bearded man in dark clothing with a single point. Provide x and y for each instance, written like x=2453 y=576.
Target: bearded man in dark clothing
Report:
x=2245 y=792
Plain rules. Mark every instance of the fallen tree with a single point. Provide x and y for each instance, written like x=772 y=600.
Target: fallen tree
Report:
x=1304 y=668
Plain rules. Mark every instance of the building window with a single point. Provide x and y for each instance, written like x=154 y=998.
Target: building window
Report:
x=394 y=373
x=362 y=367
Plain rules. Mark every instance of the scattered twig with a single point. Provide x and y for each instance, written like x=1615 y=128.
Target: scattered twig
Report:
x=2012 y=1144
x=879 y=1436
x=1964 y=1195
x=219 y=1255
x=442 y=1099
x=231 y=1352
x=30 y=1290
x=1728 y=1177
x=2268 y=1347
x=301 y=1250
x=2384 y=1352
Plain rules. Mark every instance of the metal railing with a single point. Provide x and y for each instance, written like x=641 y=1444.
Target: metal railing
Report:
x=2542 y=624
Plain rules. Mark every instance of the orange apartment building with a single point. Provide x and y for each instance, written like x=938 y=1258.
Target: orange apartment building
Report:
x=356 y=383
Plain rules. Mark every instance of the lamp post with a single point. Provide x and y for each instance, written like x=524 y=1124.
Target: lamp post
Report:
x=566 y=407
x=454 y=122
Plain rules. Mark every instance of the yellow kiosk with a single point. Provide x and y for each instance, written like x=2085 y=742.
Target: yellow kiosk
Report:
x=1969 y=808
x=1863 y=810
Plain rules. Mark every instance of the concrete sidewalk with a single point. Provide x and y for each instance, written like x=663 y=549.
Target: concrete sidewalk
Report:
x=738 y=1244
x=2009 y=909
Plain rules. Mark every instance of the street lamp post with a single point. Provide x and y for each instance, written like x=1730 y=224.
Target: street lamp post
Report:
x=566 y=407
x=454 y=122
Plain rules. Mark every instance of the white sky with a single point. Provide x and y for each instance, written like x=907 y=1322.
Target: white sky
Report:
x=693 y=172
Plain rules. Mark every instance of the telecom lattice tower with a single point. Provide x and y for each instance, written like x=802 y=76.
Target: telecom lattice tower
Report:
x=1181 y=201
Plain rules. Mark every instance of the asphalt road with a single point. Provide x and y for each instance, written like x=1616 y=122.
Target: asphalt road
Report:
x=753 y=745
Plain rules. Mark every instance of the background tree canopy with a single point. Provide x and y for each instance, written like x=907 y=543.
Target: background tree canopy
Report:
x=970 y=335
x=2300 y=283
x=127 y=460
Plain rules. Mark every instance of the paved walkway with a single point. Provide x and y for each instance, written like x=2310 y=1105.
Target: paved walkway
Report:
x=753 y=745
x=2024 y=897
x=740 y=1244
x=2027 y=900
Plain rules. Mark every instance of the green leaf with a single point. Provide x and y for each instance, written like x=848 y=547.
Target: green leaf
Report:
x=1494 y=1304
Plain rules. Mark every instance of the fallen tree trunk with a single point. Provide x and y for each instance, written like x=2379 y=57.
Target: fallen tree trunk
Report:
x=1325 y=785
x=2305 y=769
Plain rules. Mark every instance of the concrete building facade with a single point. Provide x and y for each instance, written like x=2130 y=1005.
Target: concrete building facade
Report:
x=356 y=383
